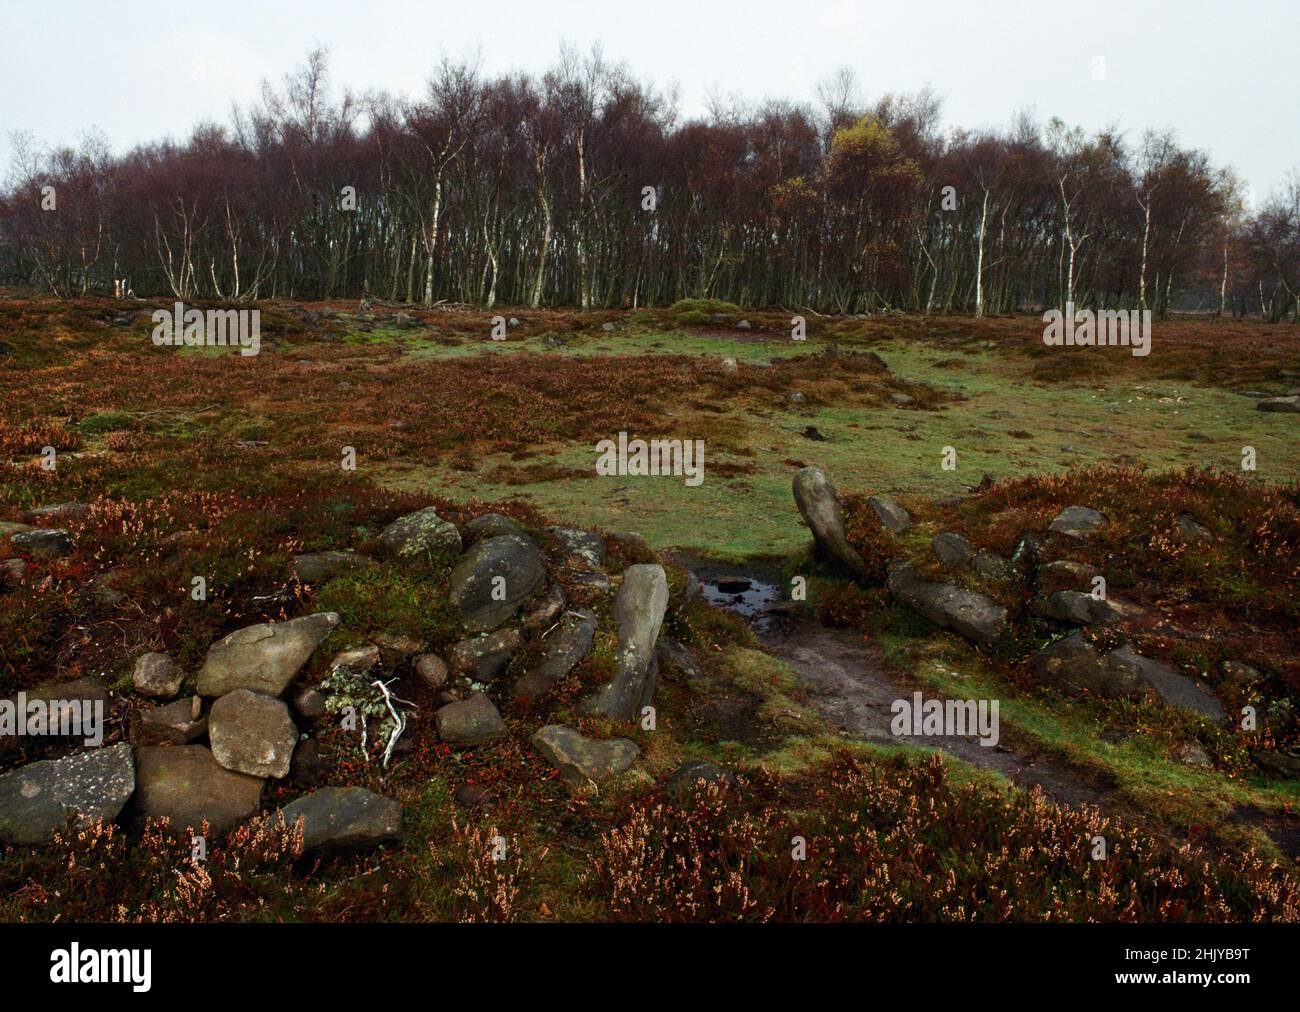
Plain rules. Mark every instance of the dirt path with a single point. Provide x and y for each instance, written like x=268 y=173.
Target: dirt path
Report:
x=849 y=686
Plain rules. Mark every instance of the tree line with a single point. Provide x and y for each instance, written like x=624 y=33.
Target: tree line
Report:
x=582 y=187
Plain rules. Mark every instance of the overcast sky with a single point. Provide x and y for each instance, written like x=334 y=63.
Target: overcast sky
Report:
x=1224 y=74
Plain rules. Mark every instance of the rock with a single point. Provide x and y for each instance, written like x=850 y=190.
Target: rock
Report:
x=544 y=615
x=1286 y=404
x=252 y=733
x=317 y=567
x=432 y=669
x=87 y=689
x=898 y=397
x=1074 y=664
x=12 y=571
x=492 y=525
x=157 y=676
x=952 y=550
x=37 y=799
x=470 y=722
x=1028 y=551
x=338 y=817
x=587 y=547
x=474 y=795
x=61 y=512
x=742 y=325
x=186 y=785
x=418 y=533
x=51 y=542
x=265 y=657
x=639 y=610
x=1066 y=572
x=1078 y=521
x=1242 y=675
x=177 y=723
x=1193 y=755
x=310 y=703
x=1083 y=609
x=358 y=660
x=671 y=654
x=1174 y=689
x=594 y=581
x=403 y=646
x=691 y=776
x=482 y=658
x=819 y=505
x=1191 y=531
x=991 y=566
x=580 y=759
x=404 y=321
x=566 y=645
x=8 y=528
x=891 y=515
x=508 y=563
x=608 y=328
x=1277 y=764
x=729 y=364
x=307 y=767
x=965 y=612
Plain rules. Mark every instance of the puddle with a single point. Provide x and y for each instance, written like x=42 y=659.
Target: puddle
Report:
x=743 y=594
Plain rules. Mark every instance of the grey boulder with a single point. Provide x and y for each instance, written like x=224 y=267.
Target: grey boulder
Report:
x=965 y=612
x=37 y=799
x=418 y=533
x=639 y=610
x=339 y=817
x=580 y=759
x=819 y=505
x=252 y=733
x=494 y=578
x=265 y=657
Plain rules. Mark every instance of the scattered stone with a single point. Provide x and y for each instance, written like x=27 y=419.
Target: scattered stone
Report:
x=1078 y=521
x=953 y=550
x=338 y=817
x=898 y=397
x=51 y=542
x=580 y=759
x=544 y=615
x=608 y=328
x=965 y=612
x=1289 y=405
x=639 y=610
x=492 y=525
x=12 y=571
x=669 y=653
x=1174 y=689
x=310 y=703
x=482 y=658
x=991 y=566
x=1279 y=765
x=562 y=650
x=358 y=660
x=307 y=768
x=1083 y=609
x=432 y=669
x=691 y=776
x=8 y=528
x=1193 y=755
x=186 y=785
x=470 y=722
x=87 y=689
x=891 y=515
x=813 y=433
x=1065 y=571
x=587 y=547
x=1194 y=532
x=157 y=676
x=252 y=733
x=508 y=564
x=403 y=646
x=265 y=657
x=37 y=799
x=176 y=723
x=819 y=505
x=62 y=512
x=1242 y=675
x=474 y=796
x=742 y=325
x=593 y=581
x=418 y=533
x=317 y=567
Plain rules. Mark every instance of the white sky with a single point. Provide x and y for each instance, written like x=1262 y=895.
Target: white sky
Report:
x=1223 y=73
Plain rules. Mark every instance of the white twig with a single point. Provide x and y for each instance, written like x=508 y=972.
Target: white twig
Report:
x=399 y=720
